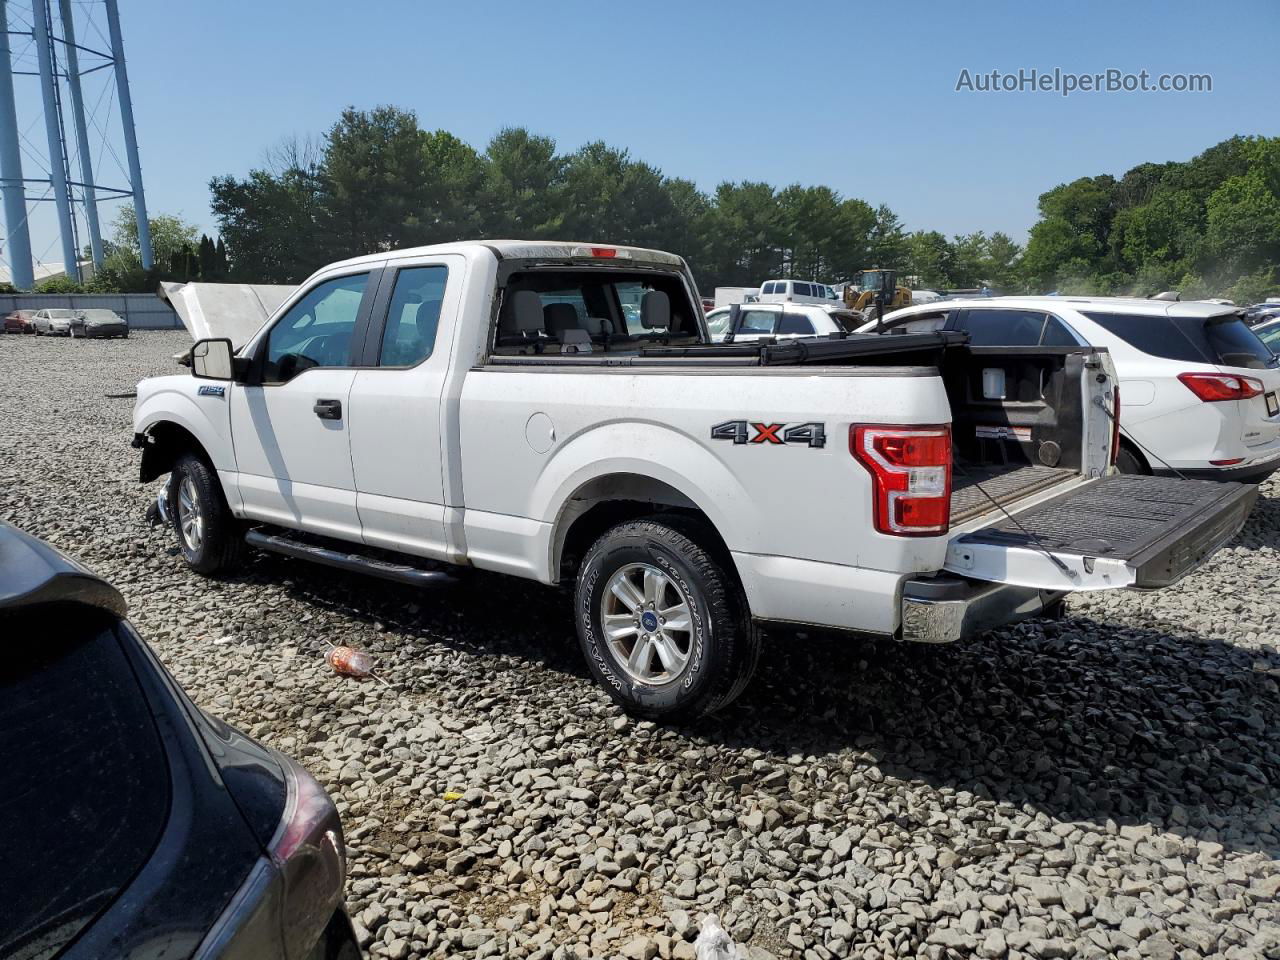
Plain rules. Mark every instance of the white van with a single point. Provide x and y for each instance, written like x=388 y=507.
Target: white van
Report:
x=796 y=291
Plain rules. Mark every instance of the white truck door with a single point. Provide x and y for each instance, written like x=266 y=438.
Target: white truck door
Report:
x=289 y=425
x=396 y=411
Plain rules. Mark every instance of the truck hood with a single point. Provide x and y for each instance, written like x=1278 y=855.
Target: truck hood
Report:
x=233 y=310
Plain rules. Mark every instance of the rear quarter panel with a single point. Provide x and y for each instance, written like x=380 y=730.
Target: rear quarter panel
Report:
x=531 y=437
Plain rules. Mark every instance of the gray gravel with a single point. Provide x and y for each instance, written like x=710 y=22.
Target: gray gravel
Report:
x=1101 y=786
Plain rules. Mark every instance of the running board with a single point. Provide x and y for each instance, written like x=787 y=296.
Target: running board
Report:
x=351 y=562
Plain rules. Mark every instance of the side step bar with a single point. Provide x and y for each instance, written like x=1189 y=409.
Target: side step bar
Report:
x=351 y=562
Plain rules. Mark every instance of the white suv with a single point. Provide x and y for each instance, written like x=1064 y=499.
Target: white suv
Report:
x=782 y=320
x=1199 y=392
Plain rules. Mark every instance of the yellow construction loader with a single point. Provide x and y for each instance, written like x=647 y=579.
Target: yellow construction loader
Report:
x=876 y=289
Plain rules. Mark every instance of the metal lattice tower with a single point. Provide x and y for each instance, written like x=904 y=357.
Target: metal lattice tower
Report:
x=66 y=56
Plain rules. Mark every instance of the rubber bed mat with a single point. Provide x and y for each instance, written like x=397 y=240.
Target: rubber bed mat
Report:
x=1118 y=516
x=1002 y=484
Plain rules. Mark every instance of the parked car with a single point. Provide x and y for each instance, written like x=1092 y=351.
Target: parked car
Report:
x=53 y=322
x=708 y=304
x=796 y=291
x=96 y=322
x=1269 y=333
x=781 y=320
x=491 y=407
x=19 y=321
x=1200 y=393
x=1260 y=312
x=138 y=825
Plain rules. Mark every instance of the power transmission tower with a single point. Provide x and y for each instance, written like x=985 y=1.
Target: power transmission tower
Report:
x=67 y=49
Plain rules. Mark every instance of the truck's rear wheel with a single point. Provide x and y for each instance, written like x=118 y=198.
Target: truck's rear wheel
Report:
x=663 y=624
x=208 y=533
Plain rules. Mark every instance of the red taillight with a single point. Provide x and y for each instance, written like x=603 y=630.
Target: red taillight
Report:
x=911 y=472
x=1115 y=423
x=1216 y=387
x=605 y=252
x=1226 y=463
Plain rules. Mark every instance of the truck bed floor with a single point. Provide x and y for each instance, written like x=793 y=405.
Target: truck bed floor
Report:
x=1121 y=515
x=1004 y=484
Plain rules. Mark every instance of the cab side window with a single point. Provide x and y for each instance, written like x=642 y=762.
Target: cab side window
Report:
x=413 y=316
x=316 y=331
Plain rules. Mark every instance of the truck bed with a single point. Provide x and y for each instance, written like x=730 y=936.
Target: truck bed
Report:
x=1004 y=484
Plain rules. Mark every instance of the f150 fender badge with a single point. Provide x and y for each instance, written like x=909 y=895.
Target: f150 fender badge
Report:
x=749 y=431
x=207 y=391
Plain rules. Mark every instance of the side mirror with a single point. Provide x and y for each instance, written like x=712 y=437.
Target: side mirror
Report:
x=212 y=360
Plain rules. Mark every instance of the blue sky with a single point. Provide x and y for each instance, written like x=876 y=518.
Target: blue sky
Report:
x=859 y=96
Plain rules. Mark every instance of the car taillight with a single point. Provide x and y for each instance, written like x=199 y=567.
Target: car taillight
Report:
x=1115 y=423
x=911 y=472
x=1216 y=387
x=309 y=852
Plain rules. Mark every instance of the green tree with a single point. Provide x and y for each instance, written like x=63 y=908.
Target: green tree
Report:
x=59 y=283
x=270 y=224
x=169 y=235
x=930 y=259
x=887 y=241
x=523 y=177
x=373 y=181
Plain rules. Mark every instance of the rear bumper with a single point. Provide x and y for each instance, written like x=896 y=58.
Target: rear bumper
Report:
x=1255 y=471
x=944 y=608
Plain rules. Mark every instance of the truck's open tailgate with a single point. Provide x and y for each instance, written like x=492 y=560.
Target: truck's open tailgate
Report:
x=1120 y=531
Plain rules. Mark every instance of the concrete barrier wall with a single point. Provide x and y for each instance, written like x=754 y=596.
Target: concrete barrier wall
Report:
x=144 y=311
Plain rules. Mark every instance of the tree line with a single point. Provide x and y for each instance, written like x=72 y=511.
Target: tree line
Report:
x=378 y=181
x=1208 y=227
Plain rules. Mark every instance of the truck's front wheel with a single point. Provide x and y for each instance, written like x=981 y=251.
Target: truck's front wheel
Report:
x=208 y=534
x=663 y=624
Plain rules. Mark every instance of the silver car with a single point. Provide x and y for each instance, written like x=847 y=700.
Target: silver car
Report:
x=97 y=322
x=53 y=322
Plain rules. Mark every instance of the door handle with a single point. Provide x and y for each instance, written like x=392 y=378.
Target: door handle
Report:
x=328 y=409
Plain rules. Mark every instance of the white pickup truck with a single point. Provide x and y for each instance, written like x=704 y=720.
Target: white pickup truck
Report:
x=558 y=412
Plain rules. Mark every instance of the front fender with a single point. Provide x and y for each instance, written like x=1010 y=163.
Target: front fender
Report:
x=176 y=400
x=646 y=450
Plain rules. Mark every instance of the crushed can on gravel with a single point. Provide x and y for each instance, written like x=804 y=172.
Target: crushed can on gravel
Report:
x=349 y=661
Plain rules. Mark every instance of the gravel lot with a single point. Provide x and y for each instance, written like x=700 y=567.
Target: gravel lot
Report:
x=1101 y=786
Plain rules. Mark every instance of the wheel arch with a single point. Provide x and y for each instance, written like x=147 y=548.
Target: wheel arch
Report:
x=610 y=499
x=162 y=443
x=1136 y=451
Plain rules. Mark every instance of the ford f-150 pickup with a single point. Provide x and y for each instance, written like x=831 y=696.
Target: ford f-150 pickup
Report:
x=557 y=411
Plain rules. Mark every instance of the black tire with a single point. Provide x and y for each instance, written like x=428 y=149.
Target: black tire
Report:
x=723 y=644
x=1129 y=462
x=220 y=545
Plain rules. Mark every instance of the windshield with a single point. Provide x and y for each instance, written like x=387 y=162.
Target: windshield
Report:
x=871 y=280
x=101 y=315
x=62 y=314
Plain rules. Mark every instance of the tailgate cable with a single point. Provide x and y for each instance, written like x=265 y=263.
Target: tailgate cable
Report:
x=1101 y=405
x=1035 y=540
